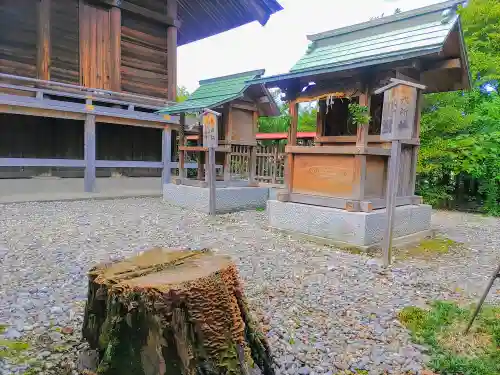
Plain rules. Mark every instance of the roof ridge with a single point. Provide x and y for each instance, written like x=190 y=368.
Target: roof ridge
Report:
x=386 y=20
x=258 y=72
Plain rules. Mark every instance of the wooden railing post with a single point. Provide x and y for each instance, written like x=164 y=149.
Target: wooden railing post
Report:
x=166 y=151
x=89 y=183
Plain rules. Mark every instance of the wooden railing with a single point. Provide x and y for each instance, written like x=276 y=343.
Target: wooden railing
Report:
x=269 y=166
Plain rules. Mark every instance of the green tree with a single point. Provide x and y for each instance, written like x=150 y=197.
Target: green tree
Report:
x=182 y=94
x=460 y=131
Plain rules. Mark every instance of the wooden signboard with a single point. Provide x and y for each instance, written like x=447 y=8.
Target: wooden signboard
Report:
x=398 y=120
x=398 y=114
x=210 y=140
x=210 y=135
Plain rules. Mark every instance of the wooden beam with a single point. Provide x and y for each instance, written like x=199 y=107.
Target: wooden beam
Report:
x=89 y=154
x=43 y=45
x=172 y=9
x=116 y=53
x=337 y=150
x=445 y=64
x=142 y=11
x=292 y=141
x=246 y=107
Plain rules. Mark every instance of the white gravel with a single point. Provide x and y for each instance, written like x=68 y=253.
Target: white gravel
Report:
x=324 y=310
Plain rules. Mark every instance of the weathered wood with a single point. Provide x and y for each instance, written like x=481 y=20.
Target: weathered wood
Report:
x=172 y=51
x=337 y=150
x=115 y=48
x=359 y=182
x=323 y=175
x=292 y=141
x=44 y=44
x=392 y=188
x=90 y=154
x=315 y=200
x=172 y=312
x=211 y=181
x=166 y=155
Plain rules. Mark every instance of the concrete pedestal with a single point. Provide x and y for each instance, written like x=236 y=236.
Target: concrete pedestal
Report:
x=228 y=199
x=359 y=229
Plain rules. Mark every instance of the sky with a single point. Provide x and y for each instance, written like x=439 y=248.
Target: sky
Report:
x=276 y=46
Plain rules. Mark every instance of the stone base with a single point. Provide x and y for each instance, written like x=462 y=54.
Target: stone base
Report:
x=227 y=199
x=359 y=229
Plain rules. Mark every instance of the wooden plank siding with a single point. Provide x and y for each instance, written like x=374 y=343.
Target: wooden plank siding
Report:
x=65 y=50
x=91 y=43
x=18 y=37
x=143 y=56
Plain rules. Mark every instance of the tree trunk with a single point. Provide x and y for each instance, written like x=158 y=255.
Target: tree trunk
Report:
x=168 y=312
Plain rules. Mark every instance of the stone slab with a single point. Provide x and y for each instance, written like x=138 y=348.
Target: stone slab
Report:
x=360 y=229
x=228 y=199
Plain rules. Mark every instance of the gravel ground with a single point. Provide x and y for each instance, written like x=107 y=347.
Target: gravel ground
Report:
x=324 y=310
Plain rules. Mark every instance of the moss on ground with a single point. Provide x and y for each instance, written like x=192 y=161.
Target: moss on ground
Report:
x=428 y=248
x=441 y=329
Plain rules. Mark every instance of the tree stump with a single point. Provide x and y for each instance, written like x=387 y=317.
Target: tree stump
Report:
x=167 y=312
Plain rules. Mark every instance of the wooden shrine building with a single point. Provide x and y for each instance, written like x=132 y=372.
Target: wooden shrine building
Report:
x=348 y=168
x=240 y=107
x=67 y=65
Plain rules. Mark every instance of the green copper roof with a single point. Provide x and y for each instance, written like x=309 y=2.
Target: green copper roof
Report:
x=401 y=36
x=214 y=92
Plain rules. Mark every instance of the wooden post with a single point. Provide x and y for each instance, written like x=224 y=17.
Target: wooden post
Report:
x=228 y=128
x=360 y=160
x=166 y=152
x=211 y=180
x=115 y=48
x=416 y=135
x=182 y=154
x=392 y=188
x=43 y=45
x=172 y=52
x=275 y=164
x=320 y=120
x=292 y=141
x=252 y=164
x=89 y=151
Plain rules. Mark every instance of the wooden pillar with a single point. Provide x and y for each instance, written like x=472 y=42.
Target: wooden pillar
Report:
x=115 y=48
x=43 y=44
x=172 y=52
x=166 y=152
x=228 y=134
x=416 y=136
x=252 y=164
x=320 y=120
x=359 y=182
x=292 y=141
x=89 y=154
x=182 y=154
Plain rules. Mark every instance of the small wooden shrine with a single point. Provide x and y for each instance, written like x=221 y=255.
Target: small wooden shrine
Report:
x=368 y=80
x=230 y=130
x=239 y=108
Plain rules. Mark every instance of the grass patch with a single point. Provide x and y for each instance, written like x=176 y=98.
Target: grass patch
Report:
x=428 y=248
x=441 y=329
x=260 y=209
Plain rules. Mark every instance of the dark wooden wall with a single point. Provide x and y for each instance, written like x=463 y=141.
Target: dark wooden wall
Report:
x=18 y=37
x=64 y=31
x=143 y=56
x=91 y=43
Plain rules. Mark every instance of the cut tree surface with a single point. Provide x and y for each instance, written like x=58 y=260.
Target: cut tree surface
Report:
x=172 y=312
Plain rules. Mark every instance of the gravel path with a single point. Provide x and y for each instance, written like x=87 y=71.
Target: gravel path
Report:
x=325 y=310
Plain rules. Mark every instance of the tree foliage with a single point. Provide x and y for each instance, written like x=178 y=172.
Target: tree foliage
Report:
x=460 y=131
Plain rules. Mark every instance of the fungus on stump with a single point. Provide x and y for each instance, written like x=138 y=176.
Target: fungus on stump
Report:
x=167 y=312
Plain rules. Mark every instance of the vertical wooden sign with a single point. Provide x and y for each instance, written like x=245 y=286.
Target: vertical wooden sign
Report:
x=211 y=140
x=398 y=117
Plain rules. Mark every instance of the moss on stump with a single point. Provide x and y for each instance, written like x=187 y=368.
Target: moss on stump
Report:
x=167 y=312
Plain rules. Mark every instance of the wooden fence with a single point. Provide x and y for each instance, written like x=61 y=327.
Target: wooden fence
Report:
x=270 y=163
